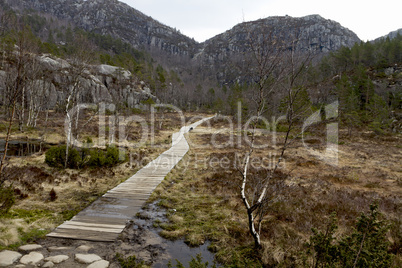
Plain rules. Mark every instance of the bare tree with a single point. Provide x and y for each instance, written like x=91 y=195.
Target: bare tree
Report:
x=83 y=56
x=17 y=64
x=275 y=67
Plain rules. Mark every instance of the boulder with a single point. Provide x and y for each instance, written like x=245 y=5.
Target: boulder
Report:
x=113 y=71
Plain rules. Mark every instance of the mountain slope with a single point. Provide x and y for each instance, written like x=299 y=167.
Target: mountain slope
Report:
x=310 y=31
x=391 y=35
x=114 y=18
x=126 y=23
x=179 y=64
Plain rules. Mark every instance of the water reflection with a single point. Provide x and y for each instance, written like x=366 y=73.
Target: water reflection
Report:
x=23 y=148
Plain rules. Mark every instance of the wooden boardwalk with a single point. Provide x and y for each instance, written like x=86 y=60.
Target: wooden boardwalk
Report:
x=106 y=218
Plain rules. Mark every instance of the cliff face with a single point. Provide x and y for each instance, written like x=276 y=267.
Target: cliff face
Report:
x=114 y=18
x=96 y=84
x=124 y=22
x=310 y=32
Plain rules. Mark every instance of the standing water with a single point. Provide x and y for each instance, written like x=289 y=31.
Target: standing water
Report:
x=22 y=147
x=170 y=250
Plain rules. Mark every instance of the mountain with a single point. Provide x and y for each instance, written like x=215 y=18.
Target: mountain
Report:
x=132 y=26
x=179 y=63
x=309 y=32
x=391 y=35
x=114 y=18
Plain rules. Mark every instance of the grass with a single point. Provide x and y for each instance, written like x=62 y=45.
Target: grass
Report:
x=196 y=216
x=203 y=201
x=35 y=213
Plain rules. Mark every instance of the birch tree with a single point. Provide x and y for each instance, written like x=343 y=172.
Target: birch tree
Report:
x=275 y=68
x=17 y=63
x=73 y=78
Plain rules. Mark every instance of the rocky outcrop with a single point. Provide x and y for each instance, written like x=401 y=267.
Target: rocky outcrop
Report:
x=96 y=83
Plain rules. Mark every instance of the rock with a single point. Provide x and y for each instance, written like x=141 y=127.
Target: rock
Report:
x=57 y=259
x=84 y=248
x=8 y=257
x=113 y=71
x=87 y=258
x=30 y=247
x=99 y=264
x=52 y=64
x=48 y=264
x=32 y=258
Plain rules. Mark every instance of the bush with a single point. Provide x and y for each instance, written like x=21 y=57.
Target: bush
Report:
x=367 y=246
x=96 y=158
x=112 y=156
x=56 y=157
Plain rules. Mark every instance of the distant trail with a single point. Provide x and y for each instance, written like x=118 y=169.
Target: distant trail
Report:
x=106 y=218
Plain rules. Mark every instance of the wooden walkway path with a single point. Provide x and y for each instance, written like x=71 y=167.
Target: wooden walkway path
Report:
x=106 y=218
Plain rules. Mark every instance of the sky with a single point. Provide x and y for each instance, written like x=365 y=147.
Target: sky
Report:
x=203 y=19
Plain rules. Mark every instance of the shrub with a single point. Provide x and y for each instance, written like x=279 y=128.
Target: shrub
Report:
x=96 y=158
x=56 y=157
x=367 y=246
x=112 y=156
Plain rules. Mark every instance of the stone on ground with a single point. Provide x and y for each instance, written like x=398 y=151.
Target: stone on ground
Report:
x=84 y=248
x=30 y=247
x=8 y=257
x=32 y=258
x=48 y=264
x=57 y=259
x=99 y=264
x=87 y=258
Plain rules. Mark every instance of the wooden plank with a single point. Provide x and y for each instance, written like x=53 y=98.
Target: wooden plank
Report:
x=106 y=218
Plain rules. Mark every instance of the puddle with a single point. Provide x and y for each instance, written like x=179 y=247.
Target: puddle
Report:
x=23 y=148
x=170 y=250
x=178 y=250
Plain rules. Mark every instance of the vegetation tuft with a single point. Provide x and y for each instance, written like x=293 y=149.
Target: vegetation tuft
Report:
x=55 y=157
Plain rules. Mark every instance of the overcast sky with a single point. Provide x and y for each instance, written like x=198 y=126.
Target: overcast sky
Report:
x=203 y=19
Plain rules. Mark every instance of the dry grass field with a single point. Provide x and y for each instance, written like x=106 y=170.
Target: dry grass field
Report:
x=202 y=195
x=36 y=211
